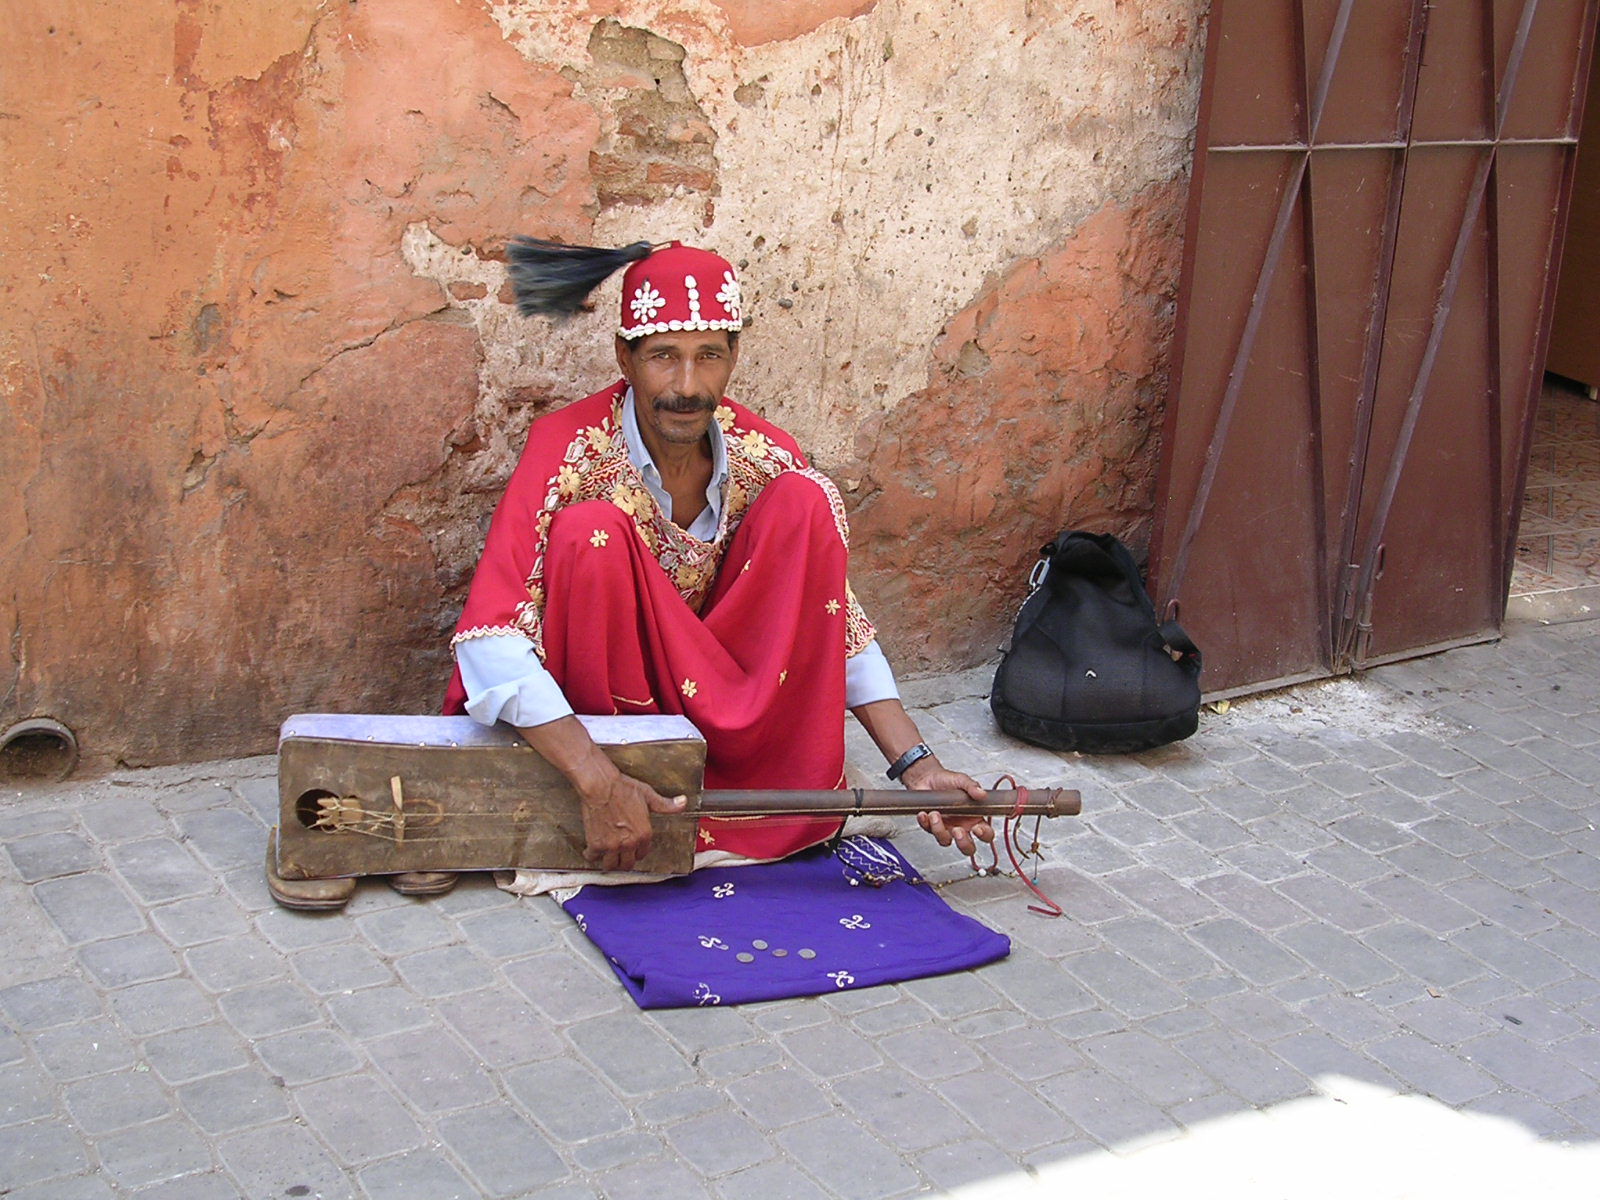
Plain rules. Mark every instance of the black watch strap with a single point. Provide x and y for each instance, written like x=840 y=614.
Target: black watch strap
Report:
x=902 y=764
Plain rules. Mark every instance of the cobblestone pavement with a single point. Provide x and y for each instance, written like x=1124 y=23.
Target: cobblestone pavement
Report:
x=1394 y=880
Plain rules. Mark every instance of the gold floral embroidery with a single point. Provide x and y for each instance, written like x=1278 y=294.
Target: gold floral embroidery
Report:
x=833 y=607
x=705 y=836
x=783 y=675
x=599 y=538
x=596 y=467
x=689 y=687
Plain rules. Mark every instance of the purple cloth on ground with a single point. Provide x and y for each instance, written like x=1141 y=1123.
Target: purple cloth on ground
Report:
x=800 y=927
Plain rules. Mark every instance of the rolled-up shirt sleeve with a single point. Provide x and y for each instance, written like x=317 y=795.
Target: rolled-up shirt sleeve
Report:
x=868 y=677
x=505 y=681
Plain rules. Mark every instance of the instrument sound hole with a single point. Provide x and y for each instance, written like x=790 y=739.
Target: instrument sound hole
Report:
x=311 y=807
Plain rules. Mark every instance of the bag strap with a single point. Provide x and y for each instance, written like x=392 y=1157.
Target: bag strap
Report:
x=1180 y=643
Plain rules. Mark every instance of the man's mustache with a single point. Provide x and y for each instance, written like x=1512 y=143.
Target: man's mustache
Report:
x=674 y=403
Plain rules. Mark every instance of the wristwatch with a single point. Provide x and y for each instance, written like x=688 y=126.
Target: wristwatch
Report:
x=902 y=764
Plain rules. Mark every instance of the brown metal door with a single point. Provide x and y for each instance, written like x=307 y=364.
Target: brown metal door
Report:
x=1376 y=210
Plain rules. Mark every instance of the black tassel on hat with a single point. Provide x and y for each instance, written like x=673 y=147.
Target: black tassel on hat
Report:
x=553 y=279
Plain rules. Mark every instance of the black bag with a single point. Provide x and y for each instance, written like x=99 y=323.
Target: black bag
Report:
x=1089 y=668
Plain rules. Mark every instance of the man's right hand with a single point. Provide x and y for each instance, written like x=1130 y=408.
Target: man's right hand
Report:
x=616 y=820
x=616 y=807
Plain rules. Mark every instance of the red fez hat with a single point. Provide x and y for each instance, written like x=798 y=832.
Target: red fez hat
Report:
x=679 y=287
x=666 y=288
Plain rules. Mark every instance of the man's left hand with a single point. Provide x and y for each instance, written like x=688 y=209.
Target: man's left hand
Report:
x=964 y=832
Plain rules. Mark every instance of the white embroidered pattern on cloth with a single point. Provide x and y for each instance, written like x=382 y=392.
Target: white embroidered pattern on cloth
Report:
x=595 y=466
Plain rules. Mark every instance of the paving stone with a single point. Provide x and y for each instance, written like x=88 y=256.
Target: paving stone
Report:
x=154 y=1152
x=989 y=1102
x=507 y=933
x=267 y=1009
x=1442 y=1020
x=199 y=919
x=1164 y=898
x=719 y=1143
x=778 y=1097
x=1370 y=833
x=1430 y=1070
x=830 y=1050
x=1428 y=863
x=115 y=1101
x=1424 y=955
x=1152 y=1068
x=87 y=908
x=846 y=1159
x=284 y=1160
x=82 y=1187
x=188 y=1054
x=501 y=1028
x=1212 y=830
x=1343 y=779
x=1244 y=1068
x=1315 y=1054
x=51 y=855
x=1184 y=861
x=38 y=1151
x=342 y=968
x=234 y=963
x=1505 y=908
x=567 y=1100
x=777 y=1180
x=1265 y=863
x=93 y=1047
x=420 y=1175
x=1540 y=1119
x=236 y=1100
x=959 y=994
x=445 y=971
x=1527 y=1067
x=1259 y=1017
x=1262 y=907
x=224 y=838
x=46 y=1003
x=1333 y=902
x=635 y=1061
x=1576 y=947
x=1507 y=869
x=1130 y=828
x=193 y=796
x=652 y=1180
x=14 y=825
x=668 y=1108
x=502 y=1151
x=307 y=1055
x=358 y=1118
x=1158 y=948
x=1512 y=956
x=563 y=989
x=1247 y=952
x=929 y=1052
x=1349 y=863
x=1426 y=906
x=616 y=1150
x=137 y=958
x=160 y=869
x=147 y=1008
x=739 y=1061
x=25 y=1094
x=431 y=1070
x=1107 y=1108
x=378 y=1012
x=289 y=930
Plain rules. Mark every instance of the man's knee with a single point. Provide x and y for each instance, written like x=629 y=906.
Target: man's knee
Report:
x=587 y=520
x=799 y=498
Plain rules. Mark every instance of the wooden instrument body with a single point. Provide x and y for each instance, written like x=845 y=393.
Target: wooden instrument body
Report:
x=470 y=797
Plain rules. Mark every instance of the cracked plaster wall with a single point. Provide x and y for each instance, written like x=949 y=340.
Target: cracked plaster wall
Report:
x=263 y=383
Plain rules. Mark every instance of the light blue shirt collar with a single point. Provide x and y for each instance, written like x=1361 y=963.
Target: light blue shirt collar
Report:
x=705 y=525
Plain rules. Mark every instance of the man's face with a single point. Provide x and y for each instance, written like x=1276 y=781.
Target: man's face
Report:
x=678 y=380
